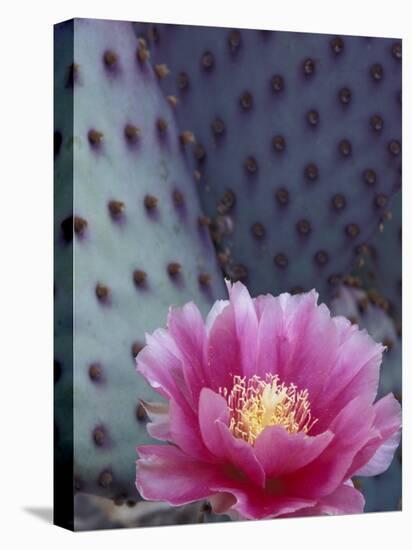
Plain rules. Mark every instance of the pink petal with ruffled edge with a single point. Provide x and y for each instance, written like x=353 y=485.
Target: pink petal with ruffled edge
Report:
x=297 y=341
x=213 y=421
x=246 y=324
x=280 y=452
x=254 y=503
x=159 y=363
x=356 y=372
x=224 y=354
x=187 y=328
x=185 y=433
x=377 y=455
x=222 y=502
x=158 y=413
x=345 y=500
x=166 y=473
x=260 y=304
x=212 y=407
x=351 y=428
x=273 y=343
x=216 y=310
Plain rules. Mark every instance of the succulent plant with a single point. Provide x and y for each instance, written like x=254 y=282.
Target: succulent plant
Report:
x=298 y=144
x=93 y=512
x=380 y=267
x=128 y=245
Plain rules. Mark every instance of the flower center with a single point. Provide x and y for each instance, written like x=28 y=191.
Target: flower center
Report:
x=255 y=404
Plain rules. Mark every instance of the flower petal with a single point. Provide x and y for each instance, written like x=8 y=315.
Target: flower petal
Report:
x=185 y=432
x=158 y=362
x=187 y=329
x=212 y=407
x=252 y=502
x=158 y=413
x=351 y=429
x=238 y=456
x=246 y=325
x=280 y=452
x=221 y=502
x=273 y=341
x=165 y=473
x=224 y=355
x=215 y=311
x=356 y=372
x=260 y=303
x=345 y=500
x=377 y=455
x=311 y=343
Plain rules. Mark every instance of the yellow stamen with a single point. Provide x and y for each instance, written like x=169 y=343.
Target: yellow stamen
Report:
x=255 y=404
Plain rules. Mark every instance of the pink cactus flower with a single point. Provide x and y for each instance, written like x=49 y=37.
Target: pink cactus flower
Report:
x=269 y=408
